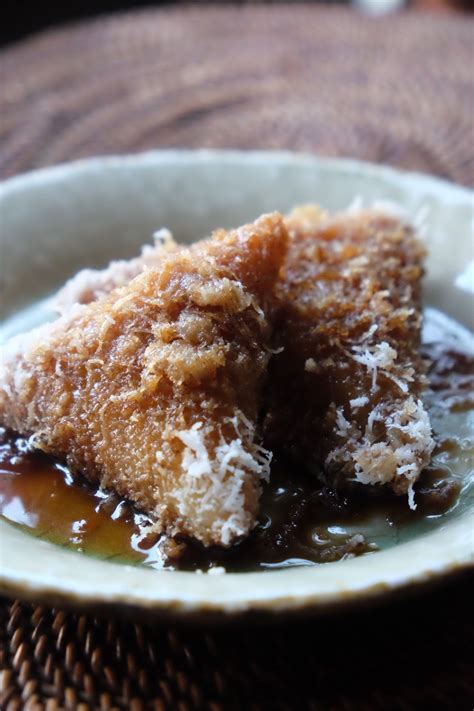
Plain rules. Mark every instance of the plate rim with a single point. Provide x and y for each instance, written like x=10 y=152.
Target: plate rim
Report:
x=350 y=165
x=15 y=583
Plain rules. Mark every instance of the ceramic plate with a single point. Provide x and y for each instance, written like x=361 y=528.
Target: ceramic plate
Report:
x=58 y=220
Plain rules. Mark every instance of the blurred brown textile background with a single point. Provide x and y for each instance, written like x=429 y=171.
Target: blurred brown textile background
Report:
x=22 y=17
x=397 y=90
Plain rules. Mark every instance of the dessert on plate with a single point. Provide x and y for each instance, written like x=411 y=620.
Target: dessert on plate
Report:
x=349 y=326
x=153 y=389
x=164 y=373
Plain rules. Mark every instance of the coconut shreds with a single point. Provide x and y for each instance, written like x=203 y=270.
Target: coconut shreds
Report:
x=92 y=284
x=350 y=322
x=346 y=387
x=409 y=442
x=153 y=390
x=378 y=357
x=221 y=473
x=358 y=402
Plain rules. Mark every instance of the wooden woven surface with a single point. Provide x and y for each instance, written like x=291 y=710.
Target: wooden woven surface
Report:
x=398 y=90
x=408 y=656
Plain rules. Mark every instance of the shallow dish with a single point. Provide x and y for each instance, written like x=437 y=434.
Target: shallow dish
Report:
x=57 y=220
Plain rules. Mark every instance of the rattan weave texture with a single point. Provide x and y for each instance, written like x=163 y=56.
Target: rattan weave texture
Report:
x=397 y=90
x=411 y=655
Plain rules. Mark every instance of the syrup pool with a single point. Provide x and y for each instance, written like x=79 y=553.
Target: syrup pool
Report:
x=300 y=523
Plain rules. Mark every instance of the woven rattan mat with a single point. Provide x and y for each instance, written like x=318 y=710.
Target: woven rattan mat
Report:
x=398 y=90
x=411 y=655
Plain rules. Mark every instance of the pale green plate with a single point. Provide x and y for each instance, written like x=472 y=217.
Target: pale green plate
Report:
x=58 y=220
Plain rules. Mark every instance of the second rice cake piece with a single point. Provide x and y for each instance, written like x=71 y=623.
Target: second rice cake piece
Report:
x=346 y=389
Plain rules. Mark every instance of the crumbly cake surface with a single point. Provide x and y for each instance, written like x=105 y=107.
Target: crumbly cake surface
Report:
x=153 y=390
x=92 y=284
x=345 y=390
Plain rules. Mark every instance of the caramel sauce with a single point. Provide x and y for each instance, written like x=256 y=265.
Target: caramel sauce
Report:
x=40 y=494
x=301 y=522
